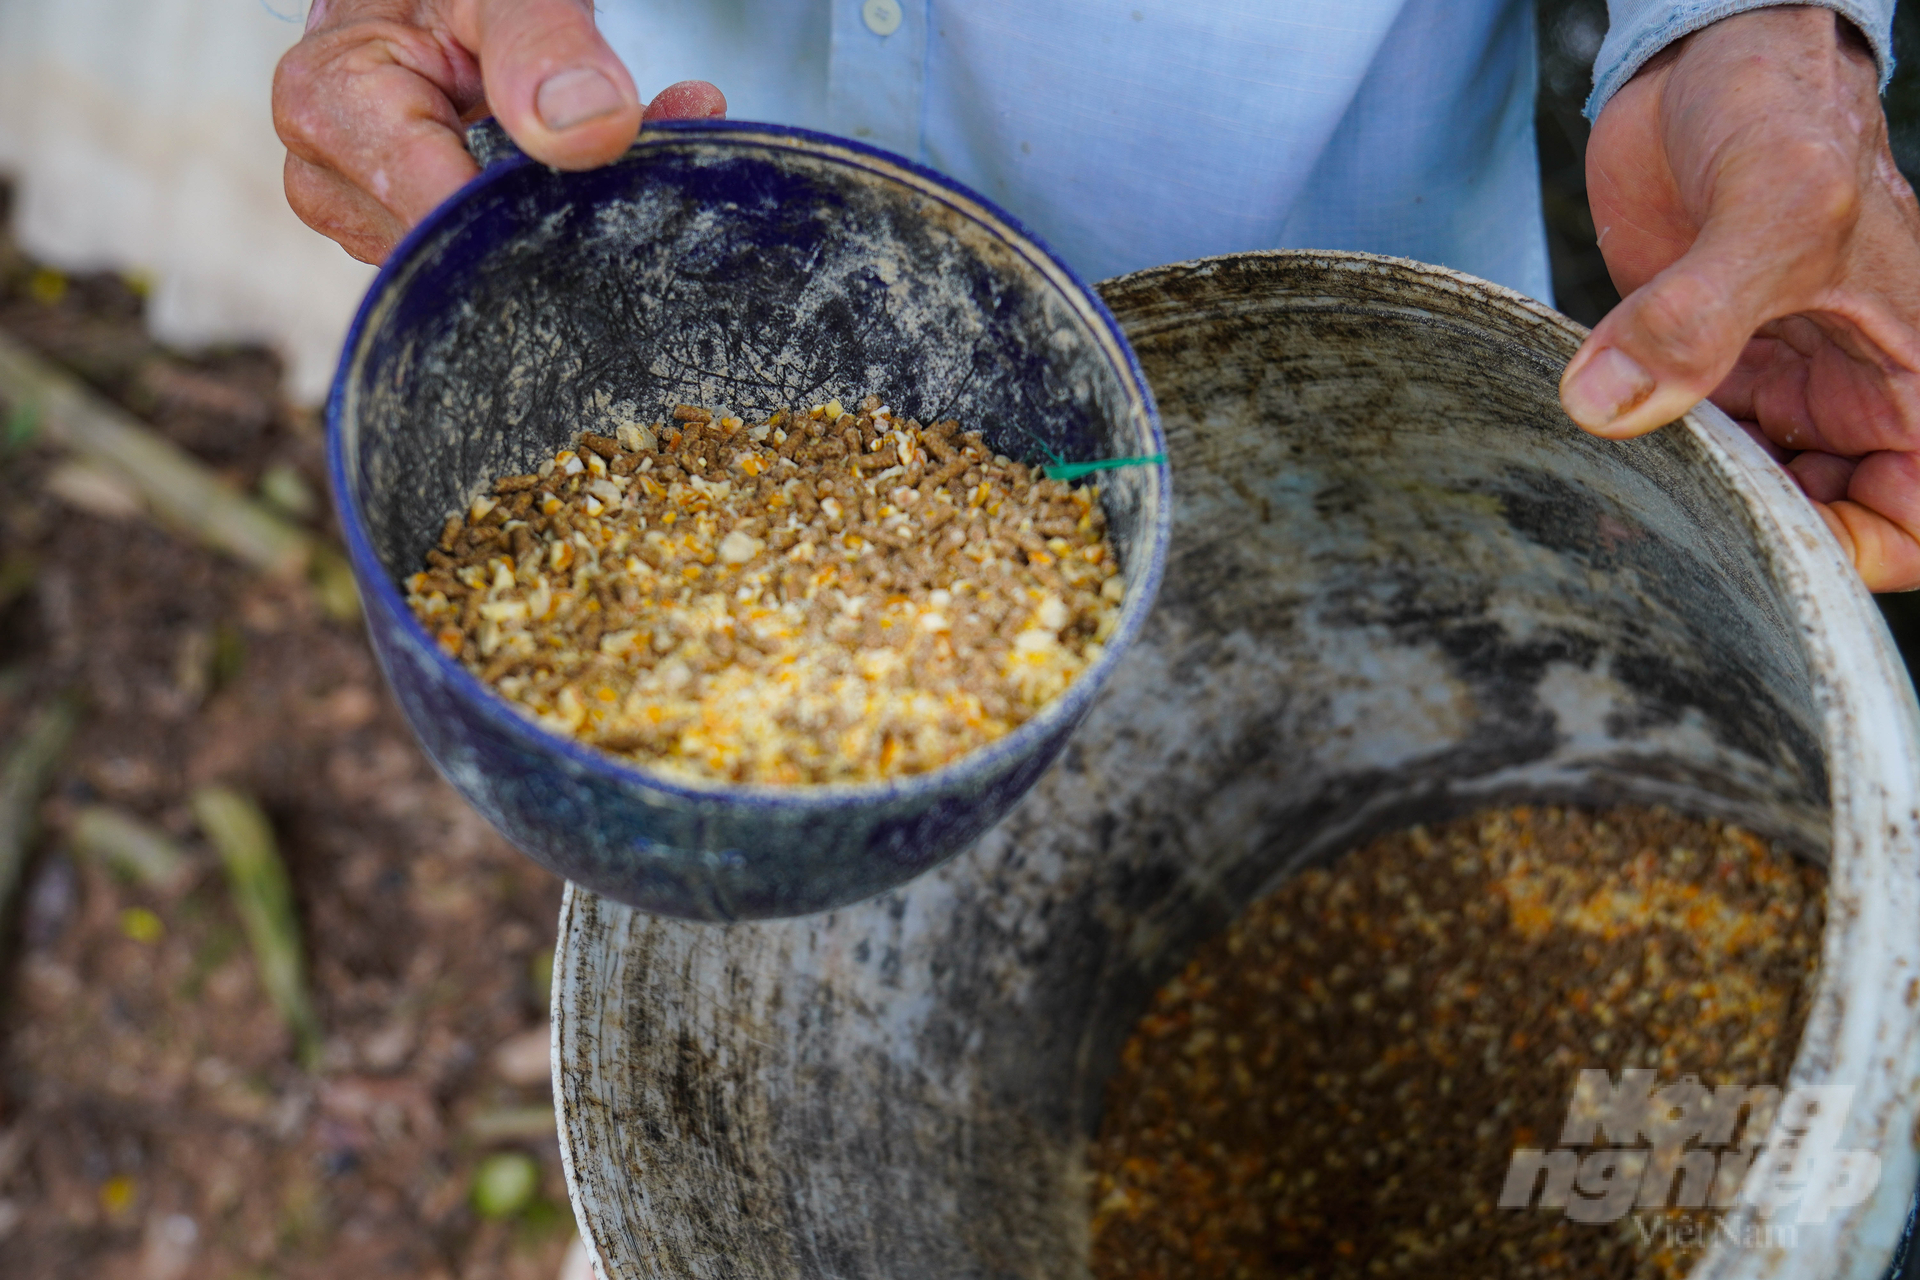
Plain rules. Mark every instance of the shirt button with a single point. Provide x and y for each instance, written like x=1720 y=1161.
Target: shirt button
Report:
x=881 y=16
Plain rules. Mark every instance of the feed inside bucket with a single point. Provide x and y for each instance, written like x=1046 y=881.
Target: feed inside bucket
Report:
x=1388 y=1063
x=1402 y=588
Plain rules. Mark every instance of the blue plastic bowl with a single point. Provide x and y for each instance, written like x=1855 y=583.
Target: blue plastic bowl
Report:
x=737 y=265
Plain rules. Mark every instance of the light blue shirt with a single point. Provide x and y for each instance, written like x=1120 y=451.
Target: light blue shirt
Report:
x=1129 y=133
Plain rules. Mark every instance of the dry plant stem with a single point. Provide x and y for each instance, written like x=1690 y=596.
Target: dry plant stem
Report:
x=262 y=895
x=130 y=848
x=178 y=490
x=29 y=768
x=512 y=1124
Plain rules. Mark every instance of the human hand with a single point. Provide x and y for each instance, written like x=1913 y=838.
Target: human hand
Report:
x=1768 y=254
x=372 y=104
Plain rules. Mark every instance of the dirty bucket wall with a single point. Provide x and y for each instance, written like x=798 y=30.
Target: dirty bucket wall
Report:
x=1453 y=591
x=1402 y=585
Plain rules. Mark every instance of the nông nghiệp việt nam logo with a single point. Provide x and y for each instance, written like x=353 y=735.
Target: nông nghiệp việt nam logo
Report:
x=1635 y=1143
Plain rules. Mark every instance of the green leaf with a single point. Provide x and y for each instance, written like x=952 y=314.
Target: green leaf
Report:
x=505 y=1184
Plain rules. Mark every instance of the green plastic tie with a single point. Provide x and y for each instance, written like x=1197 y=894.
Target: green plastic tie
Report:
x=1074 y=470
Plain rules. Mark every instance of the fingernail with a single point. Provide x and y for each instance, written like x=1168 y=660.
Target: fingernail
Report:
x=1610 y=384
x=575 y=96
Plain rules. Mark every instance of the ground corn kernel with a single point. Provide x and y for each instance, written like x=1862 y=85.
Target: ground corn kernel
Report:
x=824 y=596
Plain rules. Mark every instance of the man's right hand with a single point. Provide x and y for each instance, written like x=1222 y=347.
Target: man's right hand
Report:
x=372 y=104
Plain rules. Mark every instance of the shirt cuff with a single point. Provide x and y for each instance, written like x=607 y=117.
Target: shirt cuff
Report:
x=1641 y=28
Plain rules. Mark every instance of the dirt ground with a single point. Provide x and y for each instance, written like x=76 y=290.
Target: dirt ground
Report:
x=154 y=1124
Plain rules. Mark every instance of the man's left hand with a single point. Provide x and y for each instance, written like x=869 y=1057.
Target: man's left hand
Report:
x=1768 y=252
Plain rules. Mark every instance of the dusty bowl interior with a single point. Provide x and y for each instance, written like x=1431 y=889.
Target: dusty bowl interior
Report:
x=1402 y=585
x=744 y=267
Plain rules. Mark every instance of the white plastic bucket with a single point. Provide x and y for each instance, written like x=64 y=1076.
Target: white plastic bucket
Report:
x=1403 y=586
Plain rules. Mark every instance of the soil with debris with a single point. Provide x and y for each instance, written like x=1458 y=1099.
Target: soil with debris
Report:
x=154 y=1124
x=1337 y=1086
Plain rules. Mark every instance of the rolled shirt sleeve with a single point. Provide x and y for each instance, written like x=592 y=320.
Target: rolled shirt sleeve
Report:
x=1638 y=29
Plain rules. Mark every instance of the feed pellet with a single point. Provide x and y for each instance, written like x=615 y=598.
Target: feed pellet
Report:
x=826 y=596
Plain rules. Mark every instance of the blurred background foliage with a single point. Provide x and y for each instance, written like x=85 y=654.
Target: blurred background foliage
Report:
x=1570 y=34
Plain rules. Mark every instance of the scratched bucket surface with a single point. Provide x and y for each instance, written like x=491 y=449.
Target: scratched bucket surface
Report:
x=1401 y=586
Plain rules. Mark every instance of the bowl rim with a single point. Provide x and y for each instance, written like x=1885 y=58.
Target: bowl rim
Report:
x=989 y=760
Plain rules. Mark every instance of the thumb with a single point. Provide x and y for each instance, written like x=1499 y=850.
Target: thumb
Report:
x=555 y=86
x=1673 y=340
